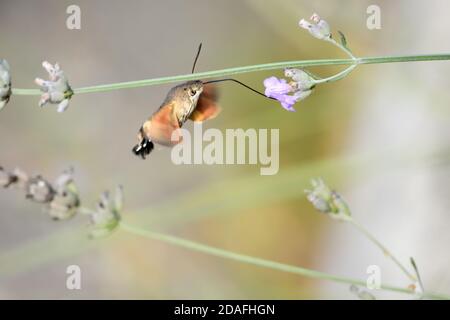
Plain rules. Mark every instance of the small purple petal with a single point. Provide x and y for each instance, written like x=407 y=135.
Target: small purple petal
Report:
x=286 y=101
x=275 y=86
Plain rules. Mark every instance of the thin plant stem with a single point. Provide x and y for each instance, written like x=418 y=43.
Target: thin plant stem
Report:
x=199 y=247
x=343 y=48
x=383 y=248
x=337 y=76
x=345 y=72
x=416 y=270
x=241 y=70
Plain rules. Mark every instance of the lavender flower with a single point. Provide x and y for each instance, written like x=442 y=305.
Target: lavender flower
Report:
x=319 y=28
x=106 y=217
x=280 y=89
x=5 y=83
x=275 y=86
x=56 y=90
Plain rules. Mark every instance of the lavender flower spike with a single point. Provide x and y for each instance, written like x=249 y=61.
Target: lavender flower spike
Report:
x=56 y=90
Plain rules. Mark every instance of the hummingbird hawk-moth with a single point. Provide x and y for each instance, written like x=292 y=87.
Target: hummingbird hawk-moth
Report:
x=193 y=100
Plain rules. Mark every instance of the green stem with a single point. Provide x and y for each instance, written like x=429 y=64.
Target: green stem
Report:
x=386 y=252
x=199 y=247
x=337 y=76
x=245 y=69
x=343 y=48
x=26 y=92
x=346 y=71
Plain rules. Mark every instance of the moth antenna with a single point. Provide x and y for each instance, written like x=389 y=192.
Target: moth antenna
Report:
x=196 y=57
x=242 y=84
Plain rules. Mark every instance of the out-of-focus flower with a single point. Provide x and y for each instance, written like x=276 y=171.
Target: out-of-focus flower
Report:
x=21 y=178
x=289 y=93
x=56 y=90
x=6 y=178
x=39 y=190
x=328 y=201
x=318 y=28
x=5 y=83
x=66 y=200
x=106 y=217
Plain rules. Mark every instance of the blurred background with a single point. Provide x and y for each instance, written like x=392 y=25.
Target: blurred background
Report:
x=380 y=137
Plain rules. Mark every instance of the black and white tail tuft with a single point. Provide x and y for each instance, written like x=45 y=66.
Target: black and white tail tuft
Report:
x=144 y=147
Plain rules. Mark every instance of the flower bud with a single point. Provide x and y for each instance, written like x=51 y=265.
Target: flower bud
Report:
x=319 y=28
x=301 y=80
x=57 y=89
x=301 y=95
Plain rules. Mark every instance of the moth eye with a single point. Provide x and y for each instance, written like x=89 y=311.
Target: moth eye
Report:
x=193 y=92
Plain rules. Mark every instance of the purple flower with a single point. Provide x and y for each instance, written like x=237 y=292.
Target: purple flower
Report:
x=275 y=86
x=279 y=89
x=286 y=101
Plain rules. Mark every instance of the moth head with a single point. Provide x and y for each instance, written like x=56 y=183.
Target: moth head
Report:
x=192 y=90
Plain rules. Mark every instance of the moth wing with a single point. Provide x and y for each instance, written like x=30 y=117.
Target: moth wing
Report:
x=207 y=107
x=162 y=125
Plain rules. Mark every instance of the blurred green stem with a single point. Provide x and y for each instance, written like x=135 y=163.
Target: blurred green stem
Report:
x=245 y=69
x=385 y=251
x=199 y=247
